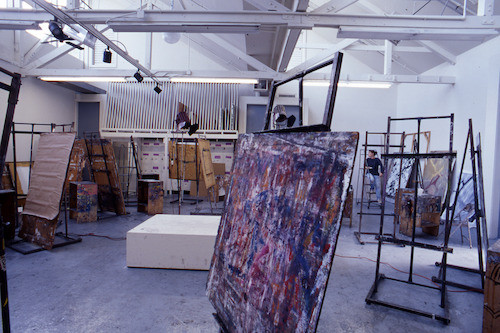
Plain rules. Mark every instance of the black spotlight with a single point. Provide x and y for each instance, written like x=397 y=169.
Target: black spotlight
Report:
x=138 y=76
x=157 y=89
x=193 y=128
x=107 y=55
x=56 y=30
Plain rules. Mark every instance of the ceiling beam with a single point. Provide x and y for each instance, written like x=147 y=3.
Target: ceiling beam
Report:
x=439 y=51
x=389 y=46
x=268 y=5
x=215 y=53
x=228 y=47
x=53 y=55
x=333 y=6
x=321 y=56
x=485 y=7
x=290 y=20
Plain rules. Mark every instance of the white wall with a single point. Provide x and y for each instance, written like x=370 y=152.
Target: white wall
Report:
x=39 y=102
x=474 y=95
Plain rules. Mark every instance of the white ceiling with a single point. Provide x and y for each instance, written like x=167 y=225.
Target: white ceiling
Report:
x=276 y=43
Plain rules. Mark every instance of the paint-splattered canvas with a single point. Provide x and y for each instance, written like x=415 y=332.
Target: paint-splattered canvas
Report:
x=277 y=237
x=435 y=176
x=393 y=182
x=465 y=201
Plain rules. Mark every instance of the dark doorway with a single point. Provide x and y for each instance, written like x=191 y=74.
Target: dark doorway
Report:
x=88 y=117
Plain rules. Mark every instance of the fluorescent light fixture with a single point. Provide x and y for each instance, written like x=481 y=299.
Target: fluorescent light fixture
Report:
x=367 y=84
x=185 y=28
x=349 y=84
x=213 y=80
x=414 y=33
x=82 y=78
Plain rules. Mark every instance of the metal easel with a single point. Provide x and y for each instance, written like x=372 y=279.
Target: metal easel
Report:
x=371 y=298
x=479 y=217
x=363 y=171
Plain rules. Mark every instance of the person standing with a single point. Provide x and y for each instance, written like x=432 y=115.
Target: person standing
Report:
x=375 y=171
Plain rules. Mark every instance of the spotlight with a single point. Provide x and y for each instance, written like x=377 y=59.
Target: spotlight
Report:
x=56 y=30
x=138 y=76
x=157 y=89
x=193 y=128
x=107 y=55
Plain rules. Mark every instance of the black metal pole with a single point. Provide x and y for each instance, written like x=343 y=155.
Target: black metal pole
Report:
x=381 y=227
x=415 y=199
x=31 y=152
x=477 y=210
x=7 y=126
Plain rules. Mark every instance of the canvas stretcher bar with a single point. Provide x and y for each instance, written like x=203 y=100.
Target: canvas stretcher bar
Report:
x=336 y=63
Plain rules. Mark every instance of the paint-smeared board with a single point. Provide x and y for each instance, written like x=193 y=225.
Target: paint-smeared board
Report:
x=83 y=201
x=435 y=176
x=393 y=181
x=491 y=312
x=41 y=210
x=150 y=196
x=278 y=234
x=205 y=160
x=428 y=213
x=78 y=169
x=110 y=194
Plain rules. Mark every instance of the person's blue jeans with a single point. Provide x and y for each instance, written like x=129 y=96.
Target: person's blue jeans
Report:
x=375 y=184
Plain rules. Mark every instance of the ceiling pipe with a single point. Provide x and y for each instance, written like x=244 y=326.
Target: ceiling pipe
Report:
x=69 y=20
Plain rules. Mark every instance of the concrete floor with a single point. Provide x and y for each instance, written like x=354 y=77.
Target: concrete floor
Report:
x=86 y=287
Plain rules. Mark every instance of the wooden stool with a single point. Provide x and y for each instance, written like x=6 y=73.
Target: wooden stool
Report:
x=150 y=196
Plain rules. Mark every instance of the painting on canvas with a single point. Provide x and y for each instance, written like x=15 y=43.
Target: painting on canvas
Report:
x=277 y=237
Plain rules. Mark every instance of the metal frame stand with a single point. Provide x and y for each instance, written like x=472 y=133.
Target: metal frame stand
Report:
x=379 y=277
x=479 y=217
x=359 y=233
x=180 y=198
x=61 y=239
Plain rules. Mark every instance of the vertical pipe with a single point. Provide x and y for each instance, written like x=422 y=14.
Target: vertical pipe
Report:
x=449 y=218
x=477 y=211
x=382 y=212
x=363 y=187
x=415 y=203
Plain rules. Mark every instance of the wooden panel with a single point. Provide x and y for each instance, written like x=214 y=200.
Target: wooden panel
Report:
x=491 y=312
x=207 y=169
x=83 y=201
x=182 y=157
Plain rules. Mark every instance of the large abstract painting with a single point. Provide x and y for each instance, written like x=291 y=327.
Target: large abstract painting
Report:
x=277 y=237
x=393 y=180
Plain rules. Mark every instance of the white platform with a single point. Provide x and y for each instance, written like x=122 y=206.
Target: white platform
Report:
x=173 y=241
